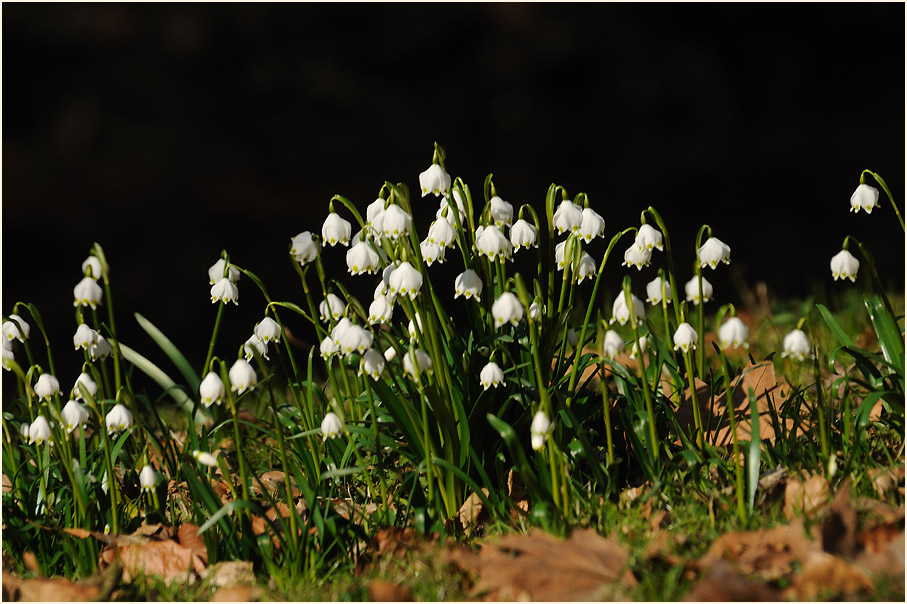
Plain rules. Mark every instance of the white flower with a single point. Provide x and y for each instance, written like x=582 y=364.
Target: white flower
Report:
x=434 y=180
x=331 y=307
x=469 y=285
x=118 y=419
x=396 y=222
x=242 y=376
x=844 y=266
x=568 y=217
x=268 y=330
x=303 y=248
x=643 y=342
x=507 y=309
x=87 y=292
x=653 y=291
x=613 y=344
x=491 y=375
x=361 y=258
x=336 y=230
x=865 y=197
x=796 y=346
x=39 y=431
x=572 y=337
x=147 y=479
x=692 y=290
x=225 y=291
x=535 y=311
x=501 y=211
x=8 y=355
x=405 y=280
x=491 y=242
x=211 y=390
x=374 y=216
x=23 y=430
x=372 y=363
x=380 y=310
x=592 y=226
x=252 y=346
x=714 y=251
x=560 y=252
x=15 y=328
x=585 y=269
x=331 y=425
x=648 y=237
x=46 y=386
x=416 y=359
x=539 y=430
x=431 y=252
x=85 y=380
x=101 y=350
x=85 y=337
x=637 y=256
x=91 y=267
x=328 y=347
x=446 y=210
x=620 y=312
x=441 y=233
x=352 y=338
x=685 y=338
x=216 y=272
x=206 y=459
x=411 y=328
x=523 y=234
x=74 y=415
x=733 y=332
x=390 y=354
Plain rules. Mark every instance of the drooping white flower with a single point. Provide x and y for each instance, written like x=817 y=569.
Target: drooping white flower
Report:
x=254 y=345
x=563 y=255
x=643 y=342
x=225 y=291
x=361 y=258
x=733 y=332
x=434 y=180
x=87 y=292
x=796 y=346
x=390 y=354
x=585 y=269
x=613 y=343
x=353 y=338
x=328 y=347
x=431 y=253
x=417 y=362
x=268 y=330
x=91 y=267
x=85 y=380
x=372 y=363
x=304 y=248
x=23 y=430
x=8 y=356
x=405 y=280
x=692 y=290
x=592 y=225
x=535 y=311
x=46 y=386
x=374 y=216
x=380 y=310
x=501 y=211
x=648 y=237
x=539 y=430
x=441 y=233
x=331 y=307
x=39 y=431
x=118 y=419
x=685 y=338
x=620 y=312
x=331 y=425
x=507 y=309
x=446 y=209
x=412 y=328
x=864 y=197
x=211 y=391
x=101 y=350
x=568 y=217
x=242 y=376
x=491 y=375
x=85 y=337
x=491 y=242
x=844 y=265
x=336 y=230
x=714 y=251
x=523 y=234
x=15 y=328
x=147 y=479
x=469 y=285
x=396 y=222
x=653 y=291
x=216 y=272
x=206 y=459
x=73 y=415
x=637 y=256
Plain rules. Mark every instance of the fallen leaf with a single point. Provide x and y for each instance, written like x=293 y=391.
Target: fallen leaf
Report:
x=57 y=589
x=7 y=485
x=230 y=574
x=829 y=577
x=31 y=562
x=805 y=497
x=471 y=511
x=885 y=480
x=722 y=584
x=166 y=559
x=839 y=529
x=385 y=591
x=237 y=593
x=769 y=553
x=190 y=539
x=884 y=555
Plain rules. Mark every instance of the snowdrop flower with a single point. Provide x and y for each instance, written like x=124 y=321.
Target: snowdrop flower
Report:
x=206 y=459
x=431 y=252
x=119 y=419
x=416 y=362
x=73 y=415
x=411 y=328
x=643 y=342
x=714 y=251
x=216 y=272
x=336 y=230
x=23 y=430
x=446 y=210
x=211 y=391
x=353 y=338
x=372 y=363
x=620 y=312
x=613 y=344
x=535 y=311
x=268 y=330
x=390 y=354
x=39 y=431
x=242 y=376
x=328 y=347
x=374 y=216
x=491 y=375
x=396 y=222
x=46 y=386
x=85 y=380
x=252 y=346
x=844 y=266
x=331 y=425
x=592 y=225
x=85 y=337
x=568 y=217
x=441 y=233
x=796 y=346
x=501 y=211
x=361 y=258
x=331 y=307
x=865 y=197
x=434 y=180
x=560 y=252
x=685 y=338
x=692 y=290
x=637 y=256
x=225 y=291
x=8 y=355
x=91 y=267
x=469 y=285
x=733 y=332
x=101 y=350
x=539 y=430
x=507 y=309
x=585 y=269
x=380 y=311
x=523 y=234
x=653 y=291
x=491 y=242
x=648 y=237
x=303 y=248
x=87 y=292
x=147 y=479
x=405 y=280
x=15 y=328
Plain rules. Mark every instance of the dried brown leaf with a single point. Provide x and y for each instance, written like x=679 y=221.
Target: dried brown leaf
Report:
x=769 y=553
x=166 y=559
x=827 y=576
x=471 y=512
x=885 y=480
x=237 y=593
x=190 y=539
x=805 y=497
x=883 y=555
x=722 y=584
x=230 y=574
x=31 y=562
x=839 y=529
x=7 y=485
x=385 y=591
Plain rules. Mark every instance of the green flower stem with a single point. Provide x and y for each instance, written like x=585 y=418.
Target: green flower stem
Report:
x=33 y=311
x=281 y=445
x=382 y=484
x=675 y=294
x=349 y=206
x=220 y=312
x=664 y=304
x=694 y=400
x=606 y=413
x=876 y=280
x=738 y=468
x=697 y=268
x=115 y=341
x=884 y=185
x=643 y=376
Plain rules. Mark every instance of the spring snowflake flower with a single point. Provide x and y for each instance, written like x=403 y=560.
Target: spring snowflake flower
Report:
x=268 y=330
x=390 y=354
x=147 y=479
x=331 y=425
x=431 y=253
x=864 y=197
x=585 y=269
x=225 y=291
x=417 y=362
x=206 y=459
x=380 y=310
x=796 y=346
x=523 y=234
x=119 y=419
x=374 y=216
x=405 y=280
x=396 y=222
x=446 y=210
x=685 y=338
x=90 y=386
x=15 y=328
x=592 y=225
x=254 y=345
x=620 y=312
x=336 y=230
x=46 y=386
x=648 y=237
x=8 y=355
x=372 y=364
x=501 y=211
x=328 y=347
x=74 y=415
x=39 y=431
x=361 y=258
x=304 y=248
x=733 y=332
x=613 y=343
x=211 y=391
x=692 y=290
x=844 y=266
x=101 y=350
x=714 y=251
x=242 y=376
x=85 y=337
x=507 y=309
x=91 y=267
x=441 y=233
x=539 y=430
x=434 y=180
x=653 y=291
x=643 y=342
x=637 y=256
x=331 y=307
x=411 y=328
x=491 y=375
x=216 y=272
x=469 y=285
x=87 y=292
x=491 y=242
x=560 y=252
x=352 y=338
x=568 y=217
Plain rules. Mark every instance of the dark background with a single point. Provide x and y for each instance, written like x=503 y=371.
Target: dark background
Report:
x=168 y=132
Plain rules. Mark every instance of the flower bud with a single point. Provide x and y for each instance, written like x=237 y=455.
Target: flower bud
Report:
x=91 y=267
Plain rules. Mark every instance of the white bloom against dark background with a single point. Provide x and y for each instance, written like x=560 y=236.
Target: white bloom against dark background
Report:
x=74 y=415
x=15 y=328
x=592 y=225
x=242 y=376
x=90 y=386
x=304 y=248
x=206 y=459
x=864 y=197
x=87 y=292
x=692 y=290
x=216 y=272
x=46 y=386
x=268 y=330
x=85 y=337
x=336 y=230
x=211 y=391
x=417 y=362
x=491 y=242
x=331 y=307
x=491 y=376
x=507 y=309
x=91 y=267
x=685 y=338
x=328 y=347
x=469 y=285
x=441 y=233
x=380 y=310
x=405 y=280
x=396 y=222
x=254 y=345
x=568 y=217
x=539 y=430
x=523 y=234
x=620 y=312
x=431 y=253
x=225 y=291
x=331 y=425
x=147 y=479
x=501 y=212
x=796 y=346
x=733 y=332
x=714 y=251
x=361 y=258
x=585 y=269
x=844 y=266
x=435 y=181
x=613 y=344
x=637 y=256
x=101 y=350
x=39 y=431
x=648 y=237
x=118 y=419
x=372 y=363
x=653 y=291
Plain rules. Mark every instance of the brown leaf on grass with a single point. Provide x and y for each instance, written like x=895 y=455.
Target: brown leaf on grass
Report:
x=190 y=539
x=839 y=529
x=471 y=512
x=230 y=574
x=274 y=482
x=7 y=485
x=385 y=591
x=57 y=589
x=166 y=559
x=805 y=497
x=393 y=542
x=722 y=584
x=885 y=480
x=883 y=555
x=827 y=576
x=31 y=563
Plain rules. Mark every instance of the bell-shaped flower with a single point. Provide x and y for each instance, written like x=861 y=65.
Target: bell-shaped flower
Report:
x=434 y=180
x=147 y=479
x=74 y=415
x=613 y=344
x=714 y=251
x=87 y=292
x=416 y=362
x=225 y=291
x=620 y=312
x=691 y=288
x=643 y=342
x=501 y=211
x=331 y=425
x=216 y=272
x=648 y=237
x=361 y=258
x=46 y=386
x=8 y=356
x=101 y=350
x=864 y=197
x=85 y=337
x=304 y=248
x=535 y=311
x=431 y=252
x=242 y=376
x=254 y=346
x=328 y=347
x=15 y=328
x=396 y=222
x=336 y=230
x=685 y=338
x=733 y=332
x=39 y=431
x=211 y=391
x=491 y=375
x=796 y=346
x=390 y=354
x=354 y=339
x=539 y=430
x=118 y=419
x=637 y=256
x=331 y=307
x=523 y=234
x=560 y=252
x=469 y=285
x=206 y=459
x=268 y=330
x=586 y=268
x=380 y=311
x=412 y=327
x=446 y=209
x=654 y=289
x=441 y=233
x=493 y=243
x=374 y=216
x=568 y=217
x=90 y=386
x=91 y=267
x=507 y=309
x=371 y=364
x=405 y=281
x=844 y=265
x=592 y=225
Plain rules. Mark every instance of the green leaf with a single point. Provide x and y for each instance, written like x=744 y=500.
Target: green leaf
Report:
x=518 y=456
x=754 y=455
x=158 y=375
x=887 y=331
x=171 y=351
x=843 y=338
x=235 y=504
